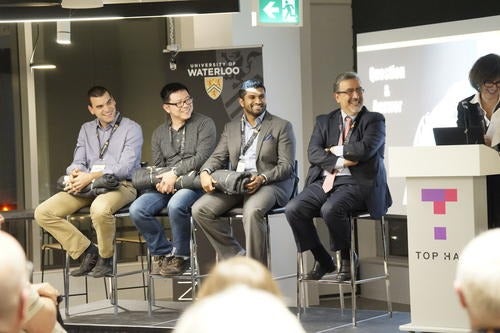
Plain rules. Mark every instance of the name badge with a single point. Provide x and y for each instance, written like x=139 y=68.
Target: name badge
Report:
x=97 y=168
x=241 y=166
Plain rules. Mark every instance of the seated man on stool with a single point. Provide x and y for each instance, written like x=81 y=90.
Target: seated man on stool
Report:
x=109 y=144
x=183 y=142
x=257 y=142
x=346 y=175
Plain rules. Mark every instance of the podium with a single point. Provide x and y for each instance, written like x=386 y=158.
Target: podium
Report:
x=446 y=208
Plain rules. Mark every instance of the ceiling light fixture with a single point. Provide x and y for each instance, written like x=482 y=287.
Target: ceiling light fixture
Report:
x=34 y=65
x=63 y=32
x=82 y=4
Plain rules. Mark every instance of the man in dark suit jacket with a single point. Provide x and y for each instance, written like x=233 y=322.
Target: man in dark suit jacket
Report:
x=257 y=142
x=355 y=156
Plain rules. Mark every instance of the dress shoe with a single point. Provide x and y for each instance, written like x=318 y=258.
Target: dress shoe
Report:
x=89 y=260
x=345 y=269
x=318 y=271
x=104 y=267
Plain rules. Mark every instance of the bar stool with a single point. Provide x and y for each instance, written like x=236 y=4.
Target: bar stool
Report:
x=139 y=240
x=84 y=213
x=55 y=246
x=354 y=281
x=192 y=274
x=237 y=214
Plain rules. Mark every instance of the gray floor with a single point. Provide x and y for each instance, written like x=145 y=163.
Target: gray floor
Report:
x=133 y=316
x=363 y=304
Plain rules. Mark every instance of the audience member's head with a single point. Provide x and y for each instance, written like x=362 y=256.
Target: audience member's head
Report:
x=239 y=309
x=477 y=280
x=238 y=270
x=13 y=283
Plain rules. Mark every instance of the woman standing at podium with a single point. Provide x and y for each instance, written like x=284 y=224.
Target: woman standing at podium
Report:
x=478 y=110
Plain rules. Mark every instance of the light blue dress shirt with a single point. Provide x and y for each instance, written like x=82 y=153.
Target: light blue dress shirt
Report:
x=123 y=155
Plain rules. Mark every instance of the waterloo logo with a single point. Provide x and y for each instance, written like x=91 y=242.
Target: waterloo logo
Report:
x=213 y=74
x=213 y=86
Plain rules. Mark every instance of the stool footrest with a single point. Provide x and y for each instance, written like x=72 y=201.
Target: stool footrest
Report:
x=52 y=246
x=353 y=282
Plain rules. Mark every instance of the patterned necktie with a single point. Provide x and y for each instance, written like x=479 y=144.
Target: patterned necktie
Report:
x=330 y=177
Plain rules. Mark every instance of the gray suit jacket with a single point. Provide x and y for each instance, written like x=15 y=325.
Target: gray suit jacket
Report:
x=275 y=153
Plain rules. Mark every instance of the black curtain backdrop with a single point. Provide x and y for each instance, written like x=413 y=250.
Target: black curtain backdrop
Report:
x=213 y=78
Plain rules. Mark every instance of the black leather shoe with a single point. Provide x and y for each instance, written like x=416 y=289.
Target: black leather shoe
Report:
x=103 y=268
x=89 y=260
x=345 y=269
x=319 y=271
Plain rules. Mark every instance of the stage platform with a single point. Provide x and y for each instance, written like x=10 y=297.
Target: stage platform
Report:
x=133 y=316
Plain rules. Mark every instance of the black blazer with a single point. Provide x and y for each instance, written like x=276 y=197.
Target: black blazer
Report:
x=365 y=145
x=470 y=115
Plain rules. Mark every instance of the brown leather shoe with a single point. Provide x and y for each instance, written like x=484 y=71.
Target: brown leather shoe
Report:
x=174 y=266
x=157 y=262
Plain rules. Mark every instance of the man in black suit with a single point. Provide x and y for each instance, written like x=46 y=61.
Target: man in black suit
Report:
x=347 y=174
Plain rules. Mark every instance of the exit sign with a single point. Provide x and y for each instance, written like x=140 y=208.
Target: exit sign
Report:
x=280 y=12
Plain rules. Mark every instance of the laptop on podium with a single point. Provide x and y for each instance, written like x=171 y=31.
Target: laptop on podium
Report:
x=458 y=135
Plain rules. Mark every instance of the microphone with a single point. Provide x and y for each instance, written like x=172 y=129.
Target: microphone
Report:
x=466 y=120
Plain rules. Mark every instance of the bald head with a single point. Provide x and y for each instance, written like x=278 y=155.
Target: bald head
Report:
x=477 y=280
x=13 y=279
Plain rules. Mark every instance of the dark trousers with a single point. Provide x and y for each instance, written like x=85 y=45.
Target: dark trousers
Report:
x=334 y=207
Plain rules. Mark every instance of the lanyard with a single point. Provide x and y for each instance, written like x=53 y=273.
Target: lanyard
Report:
x=104 y=148
x=183 y=140
x=256 y=130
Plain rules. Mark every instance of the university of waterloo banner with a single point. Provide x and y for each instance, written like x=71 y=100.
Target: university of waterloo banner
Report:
x=213 y=78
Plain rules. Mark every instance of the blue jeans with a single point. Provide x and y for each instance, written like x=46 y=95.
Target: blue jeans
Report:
x=144 y=209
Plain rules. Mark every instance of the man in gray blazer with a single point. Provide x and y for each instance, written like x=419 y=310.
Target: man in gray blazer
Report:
x=257 y=142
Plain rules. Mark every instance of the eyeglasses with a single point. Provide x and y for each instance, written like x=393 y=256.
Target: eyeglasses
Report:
x=351 y=91
x=187 y=101
x=491 y=84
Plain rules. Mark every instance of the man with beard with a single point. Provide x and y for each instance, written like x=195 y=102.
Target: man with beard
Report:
x=260 y=143
x=347 y=174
